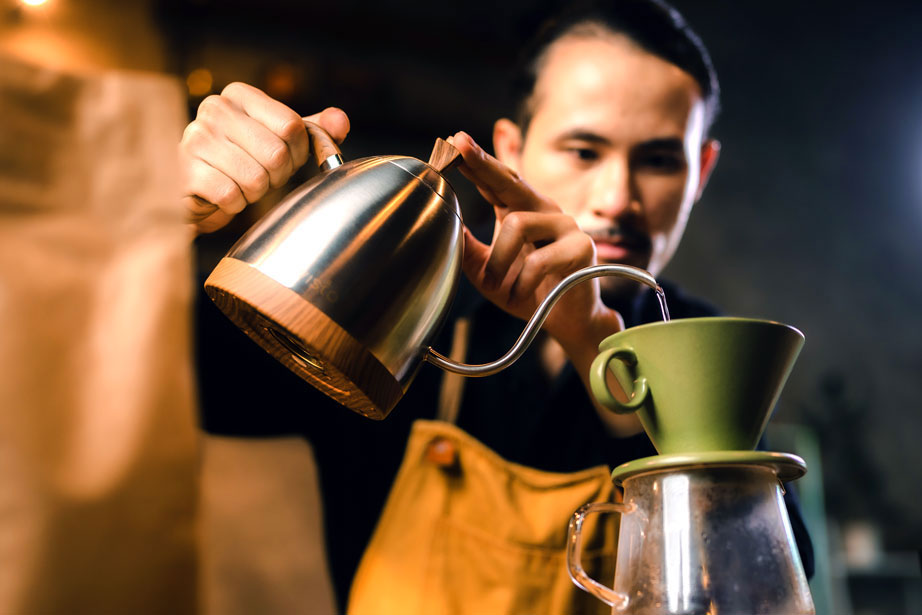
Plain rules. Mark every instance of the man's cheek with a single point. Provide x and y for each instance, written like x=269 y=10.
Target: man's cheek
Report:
x=672 y=203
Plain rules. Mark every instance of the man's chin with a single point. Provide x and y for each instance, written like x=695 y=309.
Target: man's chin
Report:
x=616 y=289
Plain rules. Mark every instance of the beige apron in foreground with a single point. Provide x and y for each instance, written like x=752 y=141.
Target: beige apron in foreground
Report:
x=97 y=425
x=262 y=531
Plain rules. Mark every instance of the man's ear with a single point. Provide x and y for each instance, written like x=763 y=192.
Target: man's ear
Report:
x=710 y=152
x=507 y=143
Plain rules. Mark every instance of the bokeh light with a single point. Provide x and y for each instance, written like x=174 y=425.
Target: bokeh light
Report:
x=282 y=81
x=199 y=82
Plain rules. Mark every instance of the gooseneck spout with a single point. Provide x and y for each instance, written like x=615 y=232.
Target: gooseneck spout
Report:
x=538 y=318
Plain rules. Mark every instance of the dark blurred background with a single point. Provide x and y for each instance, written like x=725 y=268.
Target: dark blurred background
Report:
x=813 y=216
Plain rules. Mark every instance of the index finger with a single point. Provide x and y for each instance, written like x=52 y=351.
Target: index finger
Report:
x=495 y=178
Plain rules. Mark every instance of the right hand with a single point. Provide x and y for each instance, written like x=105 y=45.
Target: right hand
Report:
x=535 y=246
x=241 y=144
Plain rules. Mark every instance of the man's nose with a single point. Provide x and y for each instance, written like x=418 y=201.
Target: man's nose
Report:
x=613 y=194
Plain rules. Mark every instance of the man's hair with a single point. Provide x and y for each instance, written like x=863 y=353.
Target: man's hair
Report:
x=652 y=25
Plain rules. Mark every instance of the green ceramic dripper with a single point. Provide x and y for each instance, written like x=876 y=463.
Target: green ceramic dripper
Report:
x=698 y=384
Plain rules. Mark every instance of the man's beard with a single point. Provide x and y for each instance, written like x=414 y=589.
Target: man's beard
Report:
x=617 y=290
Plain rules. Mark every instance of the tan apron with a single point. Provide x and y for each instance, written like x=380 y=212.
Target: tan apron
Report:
x=467 y=532
x=97 y=424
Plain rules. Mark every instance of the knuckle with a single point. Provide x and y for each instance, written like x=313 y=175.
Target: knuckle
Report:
x=211 y=106
x=291 y=127
x=515 y=222
x=255 y=183
x=583 y=254
x=235 y=88
x=278 y=158
x=196 y=134
x=228 y=198
x=538 y=263
x=192 y=135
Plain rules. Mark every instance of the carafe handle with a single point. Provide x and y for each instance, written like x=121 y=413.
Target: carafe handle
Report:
x=575 y=551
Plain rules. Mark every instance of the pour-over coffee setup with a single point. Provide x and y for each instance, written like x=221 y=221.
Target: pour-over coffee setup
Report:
x=346 y=283
x=704 y=528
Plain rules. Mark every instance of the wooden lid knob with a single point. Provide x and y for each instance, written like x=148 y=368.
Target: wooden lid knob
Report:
x=443 y=156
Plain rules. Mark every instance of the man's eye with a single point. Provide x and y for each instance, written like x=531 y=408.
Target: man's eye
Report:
x=584 y=153
x=664 y=163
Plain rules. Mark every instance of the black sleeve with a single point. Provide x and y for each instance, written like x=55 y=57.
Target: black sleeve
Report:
x=799 y=528
x=798 y=525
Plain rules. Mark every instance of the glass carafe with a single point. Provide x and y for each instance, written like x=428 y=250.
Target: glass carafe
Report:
x=698 y=540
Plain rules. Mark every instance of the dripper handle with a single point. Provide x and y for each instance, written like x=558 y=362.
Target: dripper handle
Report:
x=578 y=575
x=324 y=148
x=637 y=395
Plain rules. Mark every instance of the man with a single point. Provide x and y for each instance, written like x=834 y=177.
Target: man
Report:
x=604 y=162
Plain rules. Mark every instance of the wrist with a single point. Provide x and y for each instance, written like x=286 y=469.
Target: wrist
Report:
x=585 y=342
x=582 y=352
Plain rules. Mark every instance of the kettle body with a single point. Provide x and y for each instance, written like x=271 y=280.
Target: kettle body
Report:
x=339 y=281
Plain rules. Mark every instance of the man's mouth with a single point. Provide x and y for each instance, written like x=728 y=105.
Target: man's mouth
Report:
x=615 y=243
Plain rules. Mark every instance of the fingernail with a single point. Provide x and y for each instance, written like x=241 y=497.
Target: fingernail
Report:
x=468 y=138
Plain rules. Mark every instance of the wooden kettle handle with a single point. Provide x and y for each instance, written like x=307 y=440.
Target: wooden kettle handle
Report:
x=323 y=147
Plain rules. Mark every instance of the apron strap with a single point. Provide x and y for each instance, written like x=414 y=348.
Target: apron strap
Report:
x=452 y=388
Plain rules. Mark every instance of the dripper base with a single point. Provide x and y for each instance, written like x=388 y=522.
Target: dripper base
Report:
x=787 y=467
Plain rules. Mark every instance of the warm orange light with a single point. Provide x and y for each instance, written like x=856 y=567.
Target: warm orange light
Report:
x=282 y=81
x=34 y=2
x=199 y=82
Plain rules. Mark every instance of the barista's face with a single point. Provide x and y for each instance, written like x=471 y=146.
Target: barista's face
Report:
x=616 y=139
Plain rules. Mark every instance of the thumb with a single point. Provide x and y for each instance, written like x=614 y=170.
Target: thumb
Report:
x=334 y=120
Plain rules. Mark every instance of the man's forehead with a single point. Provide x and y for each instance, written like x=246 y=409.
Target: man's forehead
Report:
x=605 y=79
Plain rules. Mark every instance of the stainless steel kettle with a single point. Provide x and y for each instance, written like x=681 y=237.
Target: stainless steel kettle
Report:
x=347 y=280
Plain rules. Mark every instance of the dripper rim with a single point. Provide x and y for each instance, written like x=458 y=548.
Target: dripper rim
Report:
x=787 y=466
x=698 y=319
